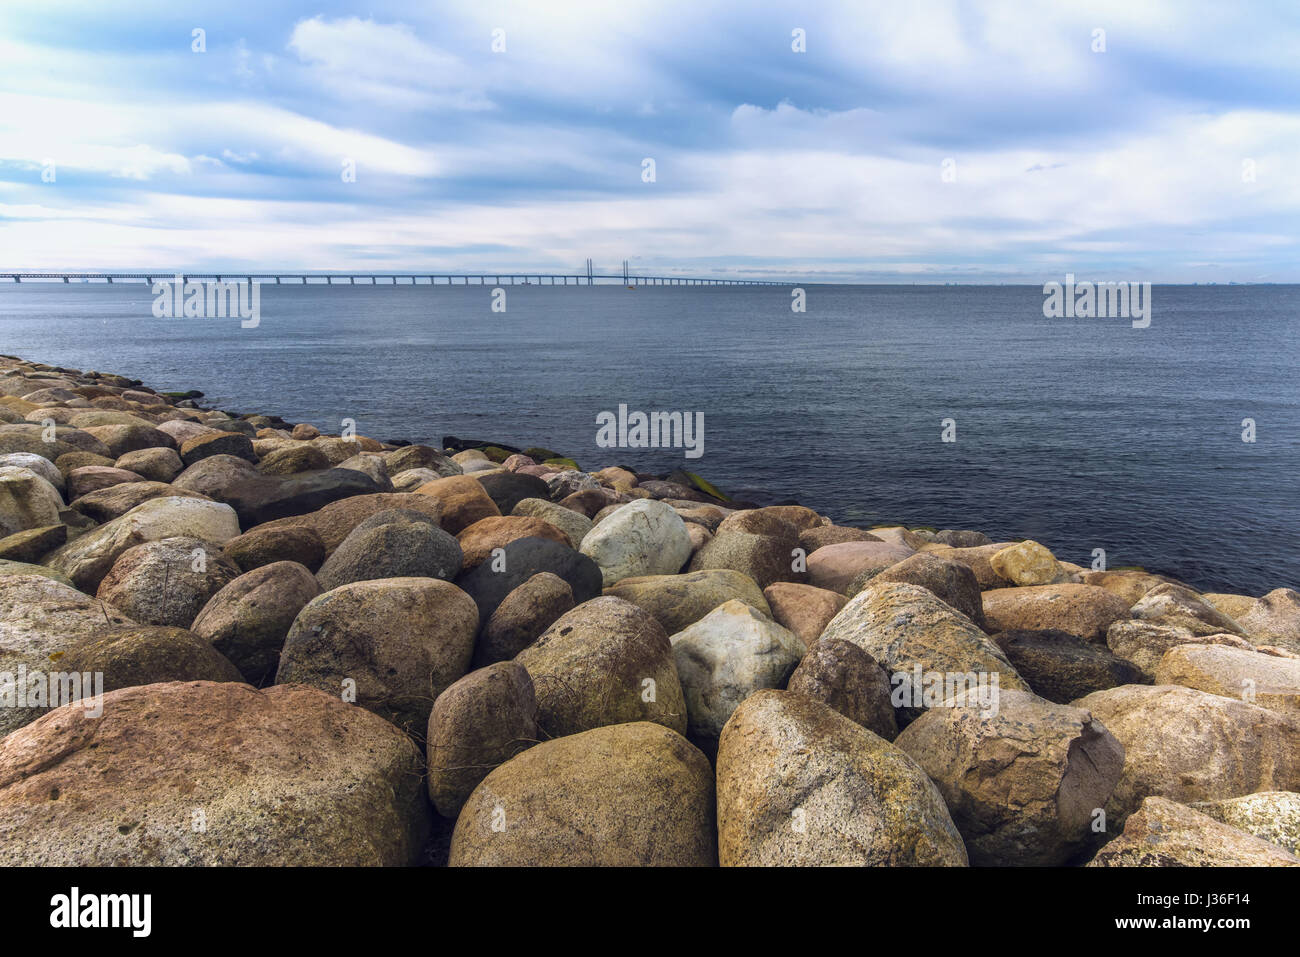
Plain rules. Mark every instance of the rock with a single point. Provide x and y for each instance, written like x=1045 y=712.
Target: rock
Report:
x=1251 y=676
x=561 y=485
x=1234 y=606
x=477 y=724
x=34 y=463
x=216 y=475
x=841 y=675
x=464 y=501
x=522 y=616
x=1028 y=563
x=285 y=776
x=1083 y=610
x=804 y=609
x=412 y=479
x=370 y=464
x=812 y=539
x=420 y=457
x=40 y=619
x=247 y=620
x=591 y=502
x=574 y=524
x=335 y=521
x=1177 y=607
x=265 y=546
x=605 y=662
x=11 y=568
x=898 y=535
x=492 y=581
x=1272 y=816
x=1129 y=585
x=479 y=540
x=1164 y=833
x=725 y=657
x=961 y=539
x=801 y=785
x=760 y=557
x=835 y=567
x=392 y=544
x=182 y=431
x=88 y=558
x=33 y=544
x=677 y=601
x=337 y=449
x=951 y=581
x=1061 y=667
x=292 y=459
x=303 y=431
x=1275 y=619
x=908 y=629
x=116 y=500
x=508 y=489
x=1188 y=745
x=29 y=437
x=760 y=521
x=265 y=498
x=641 y=538
x=91 y=478
x=979 y=558
x=122 y=439
x=1144 y=644
x=627 y=795
x=145 y=655
x=217 y=443
x=168 y=581
x=401 y=641
x=1023 y=782
x=26 y=501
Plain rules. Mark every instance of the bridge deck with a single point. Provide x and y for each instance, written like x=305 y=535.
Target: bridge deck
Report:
x=451 y=279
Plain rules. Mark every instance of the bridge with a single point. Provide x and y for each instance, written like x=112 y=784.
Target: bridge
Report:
x=511 y=278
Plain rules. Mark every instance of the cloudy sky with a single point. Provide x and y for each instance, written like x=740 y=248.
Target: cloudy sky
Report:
x=919 y=141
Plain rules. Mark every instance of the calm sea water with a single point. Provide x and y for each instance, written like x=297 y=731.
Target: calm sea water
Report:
x=1082 y=434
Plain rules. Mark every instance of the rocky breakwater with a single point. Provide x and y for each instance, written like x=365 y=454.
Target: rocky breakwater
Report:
x=230 y=639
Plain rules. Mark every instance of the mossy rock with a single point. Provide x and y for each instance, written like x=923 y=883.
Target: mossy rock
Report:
x=539 y=454
x=495 y=453
x=560 y=460
x=705 y=486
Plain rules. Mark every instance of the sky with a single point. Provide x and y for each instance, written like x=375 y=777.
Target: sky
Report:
x=817 y=141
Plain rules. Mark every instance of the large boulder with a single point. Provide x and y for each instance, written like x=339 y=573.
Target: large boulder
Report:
x=645 y=537
x=1272 y=816
x=804 y=609
x=1274 y=619
x=480 y=722
x=212 y=774
x=521 y=618
x=392 y=544
x=1028 y=563
x=131 y=437
x=1143 y=643
x=1266 y=680
x=167 y=582
x=265 y=498
x=94 y=478
x=493 y=580
x=88 y=558
x=1062 y=667
x=837 y=567
x=840 y=674
x=248 y=619
x=916 y=636
x=574 y=524
x=335 y=521
x=26 y=501
x=508 y=489
x=951 y=581
x=266 y=546
x=1024 y=783
x=764 y=558
x=40 y=619
x=725 y=657
x=217 y=443
x=681 y=600
x=1164 y=833
x=1083 y=610
x=1174 y=606
x=146 y=655
x=33 y=544
x=800 y=784
x=1130 y=584
x=480 y=540
x=39 y=464
x=160 y=464
x=627 y=795
x=605 y=662
x=1188 y=745
x=391 y=645
x=419 y=457
x=979 y=558
x=463 y=499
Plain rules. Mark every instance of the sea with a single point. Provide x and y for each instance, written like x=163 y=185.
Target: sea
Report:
x=1174 y=447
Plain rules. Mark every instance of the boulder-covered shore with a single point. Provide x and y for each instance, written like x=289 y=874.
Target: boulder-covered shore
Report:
x=230 y=639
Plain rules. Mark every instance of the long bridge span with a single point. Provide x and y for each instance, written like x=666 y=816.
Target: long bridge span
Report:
x=588 y=278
